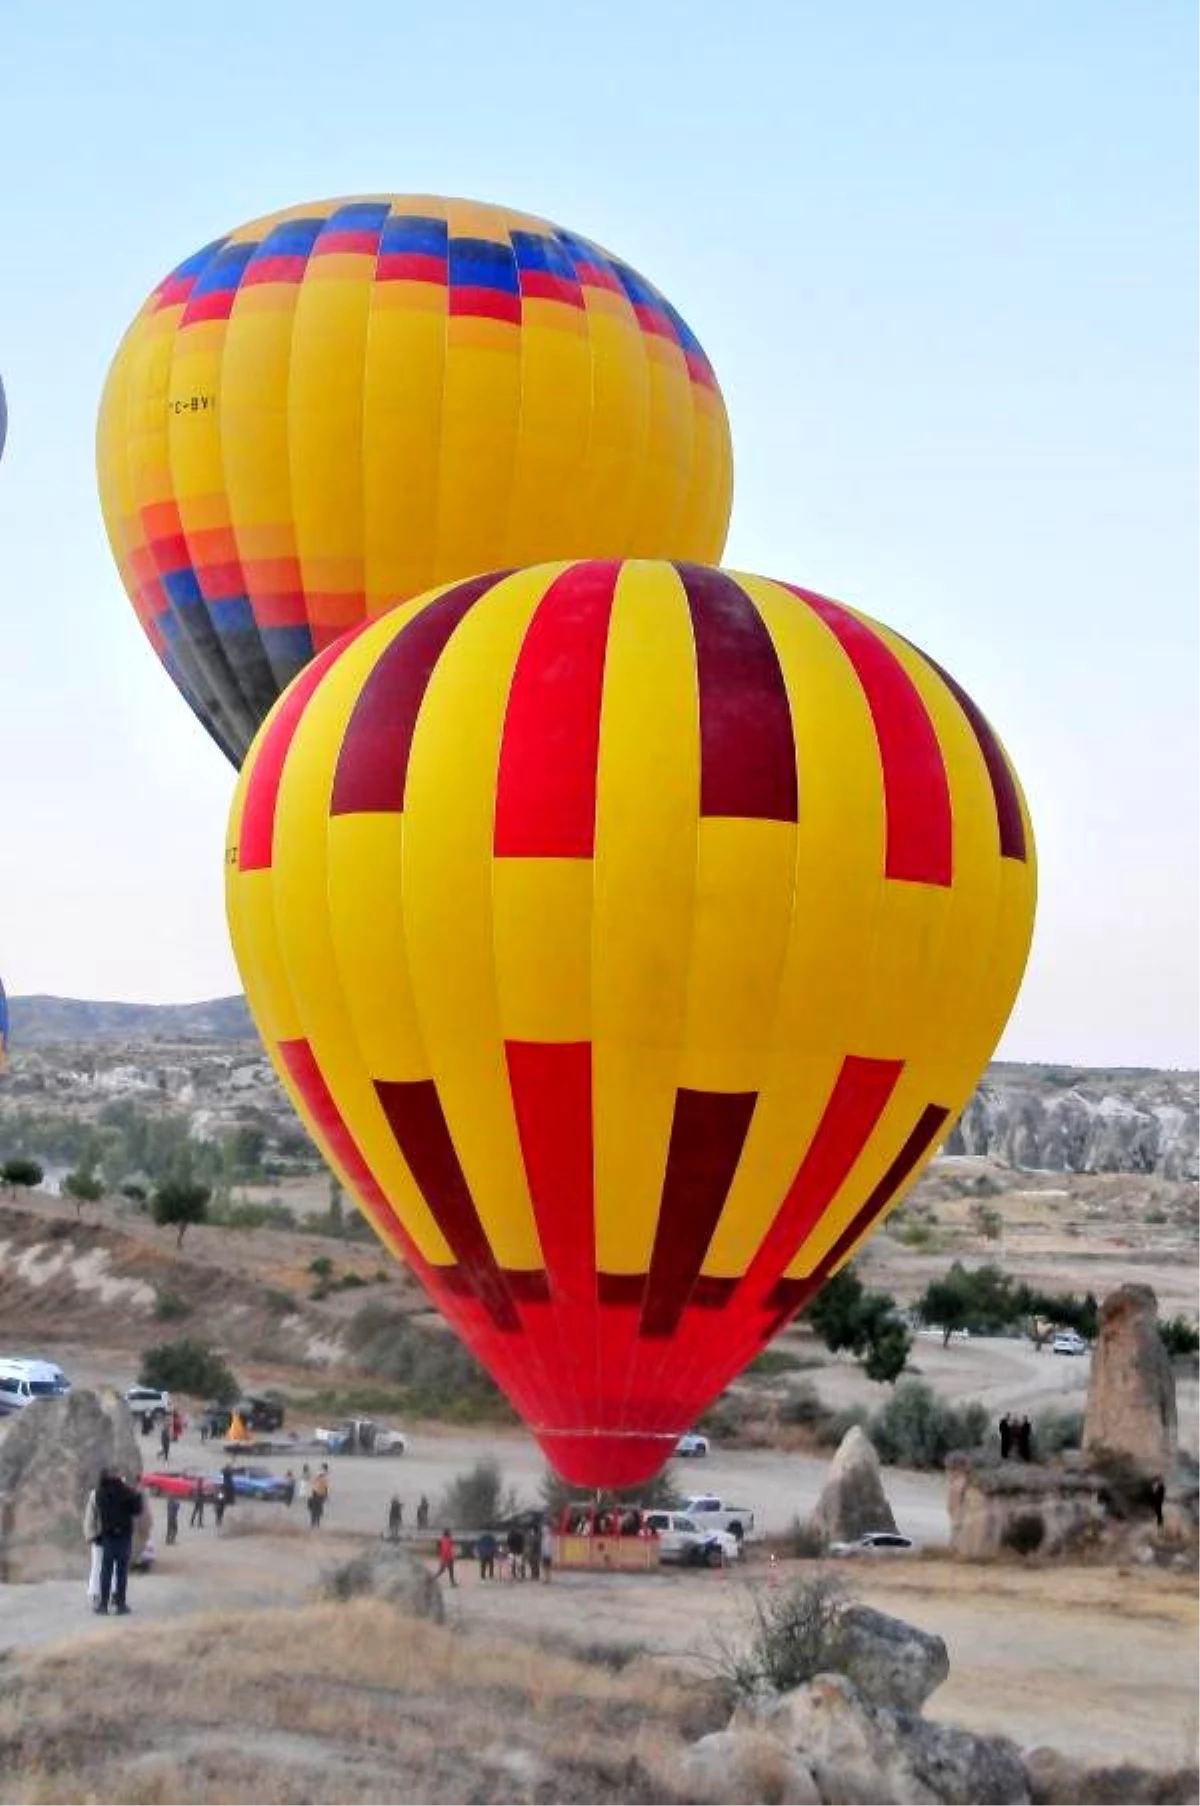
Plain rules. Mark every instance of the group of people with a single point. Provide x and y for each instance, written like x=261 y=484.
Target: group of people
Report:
x=524 y=1554
x=1016 y=1438
x=395 y=1517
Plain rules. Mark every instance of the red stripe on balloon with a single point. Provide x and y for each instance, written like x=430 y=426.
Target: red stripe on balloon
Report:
x=1010 y=822
x=372 y=768
x=410 y=266
x=546 y=786
x=920 y=835
x=747 y=749
x=256 y=841
x=707 y=1134
x=485 y=304
x=860 y=1093
x=417 y=1120
x=552 y=1097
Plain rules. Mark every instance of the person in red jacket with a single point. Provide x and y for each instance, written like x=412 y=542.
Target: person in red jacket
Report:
x=445 y=1550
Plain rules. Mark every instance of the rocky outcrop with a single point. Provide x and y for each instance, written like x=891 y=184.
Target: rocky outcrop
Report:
x=49 y=1462
x=890 y=1662
x=858 y=1751
x=1131 y=1395
x=1058 y=1780
x=1084 y=1122
x=1022 y=1508
x=742 y=1768
x=852 y=1501
x=386 y=1572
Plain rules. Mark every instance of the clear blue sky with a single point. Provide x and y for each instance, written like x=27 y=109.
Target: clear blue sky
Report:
x=942 y=256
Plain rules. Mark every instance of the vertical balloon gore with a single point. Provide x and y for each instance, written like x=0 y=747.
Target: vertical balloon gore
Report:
x=628 y=935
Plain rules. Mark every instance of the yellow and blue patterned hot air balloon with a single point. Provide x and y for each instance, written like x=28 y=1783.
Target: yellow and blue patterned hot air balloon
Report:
x=628 y=936
x=334 y=408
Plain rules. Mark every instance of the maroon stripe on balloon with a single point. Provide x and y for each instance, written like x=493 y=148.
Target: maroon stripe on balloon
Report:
x=707 y=1134
x=257 y=835
x=924 y=1132
x=546 y=786
x=417 y=1120
x=372 y=767
x=747 y=749
x=785 y=1299
x=551 y=1087
x=1009 y=821
x=920 y=835
x=711 y=1293
x=860 y=1093
x=622 y=1290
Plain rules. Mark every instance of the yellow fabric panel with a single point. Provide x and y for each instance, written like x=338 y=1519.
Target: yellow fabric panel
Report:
x=118 y=501
x=401 y=437
x=194 y=438
x=543 y=948
x=745 y=873
x=669 y=450
x=481 y=404
x=149 y=377
x=552 y=440
x=705 y=517
x=325 y=416
x=254 y=419
x=303 y=882
x=448 y=873
x=648 y=794
x=366 y=926
x=611 y=481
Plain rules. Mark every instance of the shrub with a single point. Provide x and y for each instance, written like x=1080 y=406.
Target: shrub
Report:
x=1055 y=1430
x=831 y=1430
x=190 y=1367
x=1025 y=1533
x=792 y=1636
x=321 y=1267
x=772 y=1361
x=436 y=1374
x=22 y=1172
x=805 y=1539
x=803 y=1406
x=917 y=1429
x=1179 y=1337
x=169 y=1305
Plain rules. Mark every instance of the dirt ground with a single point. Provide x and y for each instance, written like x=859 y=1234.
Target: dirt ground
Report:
x=1099 y=1663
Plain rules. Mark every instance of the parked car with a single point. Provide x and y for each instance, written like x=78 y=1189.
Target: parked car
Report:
x=682 y=1539
x=875 y=1542
x=180 y=1483
x=23 y=1382
x=714 y=1513
x=262 y=1411
x=260 y=1483
x=361 y=1436
x=692 y=1445
x=148 y=1403
x=1069 y=1342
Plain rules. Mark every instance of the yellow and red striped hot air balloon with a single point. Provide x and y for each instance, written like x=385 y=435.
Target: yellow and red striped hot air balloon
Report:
x=628 y=935
x=335 y=408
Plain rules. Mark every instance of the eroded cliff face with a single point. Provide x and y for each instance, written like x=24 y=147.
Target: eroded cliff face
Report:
x=1050 y=1121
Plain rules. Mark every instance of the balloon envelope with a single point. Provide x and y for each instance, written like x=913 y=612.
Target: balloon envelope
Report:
x=628 y=936
x=337 y=407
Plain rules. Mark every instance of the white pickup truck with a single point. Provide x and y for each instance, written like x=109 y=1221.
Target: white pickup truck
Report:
x=714 y=1514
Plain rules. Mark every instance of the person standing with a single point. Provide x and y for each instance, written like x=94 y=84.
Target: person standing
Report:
x=445 y=1551
x=176 y=1425
x=485 y=1549
x=1158 y=1497
x=516 y=1554
x=172 y=1520
x=1025 y=1439
x=318 y=1494
x=117 y=1506
x=1006 y=1436
x=423 y=1513
x=196 y=1521
x=164 y=1439
x=547 y=1542
x=395 y=1519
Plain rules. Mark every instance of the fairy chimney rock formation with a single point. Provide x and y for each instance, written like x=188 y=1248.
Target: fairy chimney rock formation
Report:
x=50 y=1461
x=852 y=1501
x=1131 y=1397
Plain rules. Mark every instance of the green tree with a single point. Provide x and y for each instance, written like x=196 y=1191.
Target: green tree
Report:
x=83 y=1187
x=846 y=1315
x=191 y=1367
x=1179 y=1337
x=21 y=1171
x=178 y=1203
x=887 y=1354
x=946 y=1304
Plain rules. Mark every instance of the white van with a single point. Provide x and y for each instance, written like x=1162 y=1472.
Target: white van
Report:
x=22 y=1382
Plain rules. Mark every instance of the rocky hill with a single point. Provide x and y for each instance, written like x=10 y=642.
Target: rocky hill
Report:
x=48 y=1021
x=1071 y=1120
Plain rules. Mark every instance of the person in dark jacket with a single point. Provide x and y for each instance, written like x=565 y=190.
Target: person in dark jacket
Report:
x=485 y=1549
x=117 y=1507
